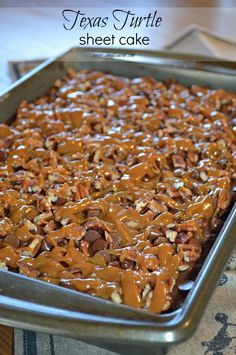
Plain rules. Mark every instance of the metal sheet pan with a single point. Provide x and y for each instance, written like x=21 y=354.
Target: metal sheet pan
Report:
x=35 y=305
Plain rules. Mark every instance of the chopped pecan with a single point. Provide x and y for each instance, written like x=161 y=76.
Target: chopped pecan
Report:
x=33 y=248
x=167 y=303
x=65 y=221
x=172 y=192
x=184 y=237
x=43 y=218
x=84 y=247
x=191 y=252
x=171 y=235
x=30 y=226
x=96 y=224
x=177 y=185
x=50 y=226
x=178 y=161
x=141 y=204
x=157 y=207
x=224 y=199
x=203 y=176
x=184 y=192
x=93 y=212
x=6 y=226
x=189 y=226
x=192 y=156
x=147 y=300
x=146 y=290
x=115 y=297
x=3 y=265
x=82 y=191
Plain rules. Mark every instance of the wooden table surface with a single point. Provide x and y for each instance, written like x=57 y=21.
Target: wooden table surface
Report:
x=37 y=32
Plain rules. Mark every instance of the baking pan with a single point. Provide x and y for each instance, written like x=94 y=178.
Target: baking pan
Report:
x=35 y=305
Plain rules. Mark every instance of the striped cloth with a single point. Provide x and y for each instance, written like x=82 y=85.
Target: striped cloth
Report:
x=31 y=343
x=216 y=334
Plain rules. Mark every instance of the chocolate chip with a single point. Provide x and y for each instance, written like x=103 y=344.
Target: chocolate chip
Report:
x=127 y=264
x=99 y=244
x=91 y=236
x=60 y=201
x=3 y=155
x=12 y=239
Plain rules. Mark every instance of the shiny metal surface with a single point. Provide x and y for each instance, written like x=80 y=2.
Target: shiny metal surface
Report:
x=39 y=306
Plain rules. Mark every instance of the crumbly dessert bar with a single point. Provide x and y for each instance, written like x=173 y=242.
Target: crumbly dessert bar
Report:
x=112 y=186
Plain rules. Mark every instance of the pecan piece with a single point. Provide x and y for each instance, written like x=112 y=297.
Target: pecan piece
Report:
x=184 y=238
x=172 y=192
x=96 y=224
x=6 y=226
x=191 y=252
x=203 y=176
x=116 y=297
x=157 y=207
x=167 y=303
x=178 y=161
x=192 y=156
x=224 y=199
x=146 y=290
x=43 y=218
x=84 y=247
x=171 y=235
x=33 y=248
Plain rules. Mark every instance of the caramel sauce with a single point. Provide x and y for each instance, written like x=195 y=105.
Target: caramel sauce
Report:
x=9 y=256
x=131 y=292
